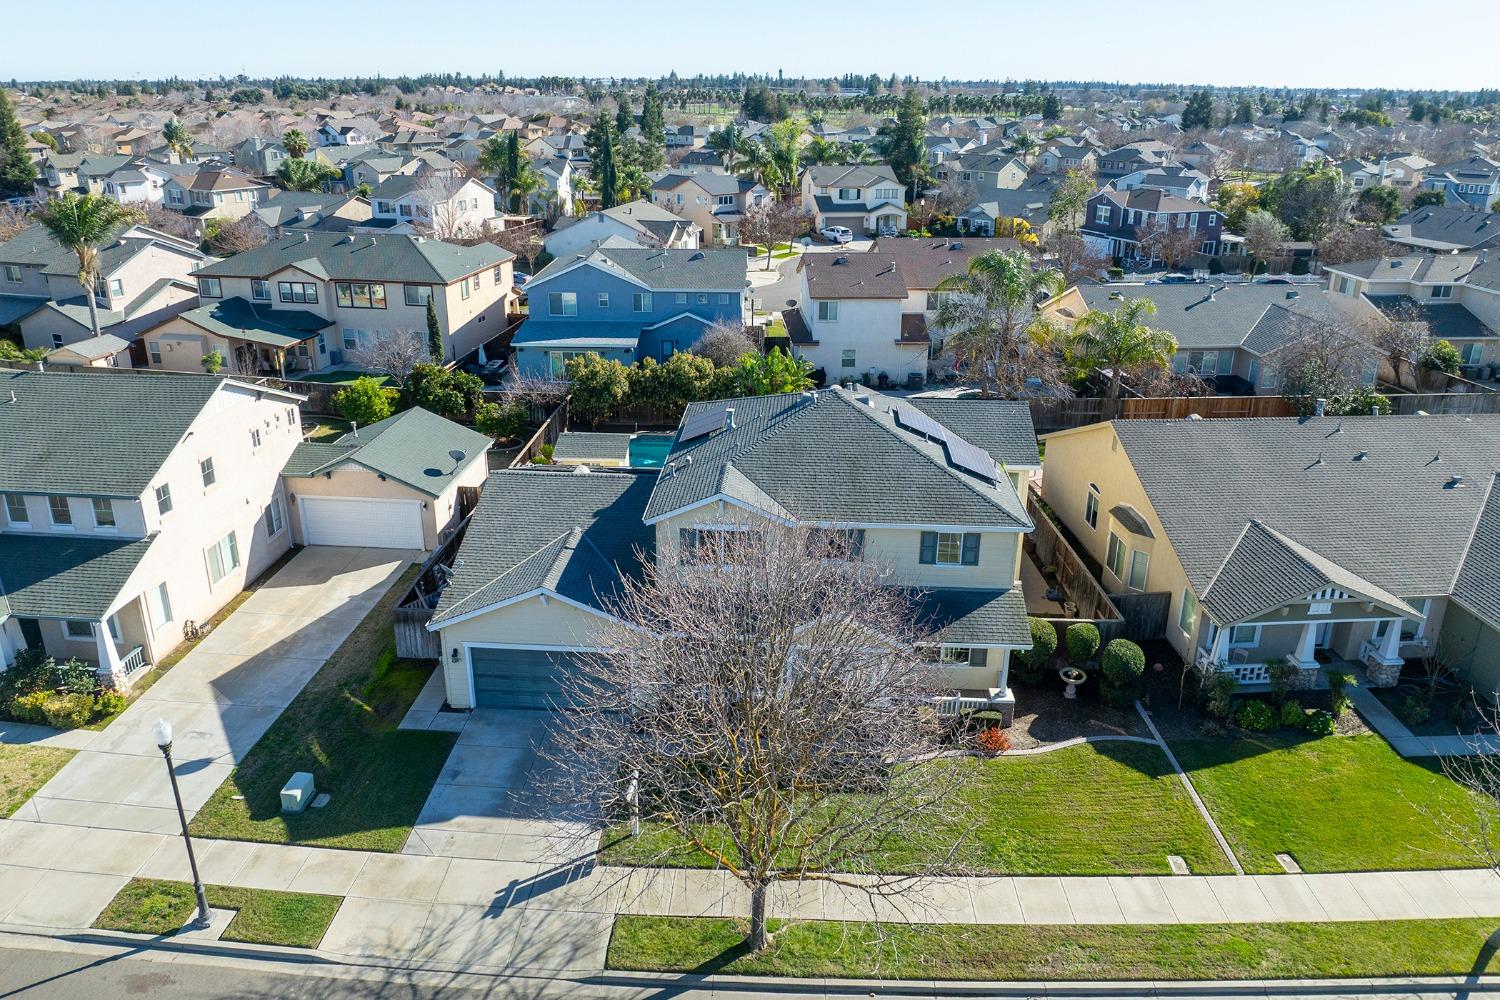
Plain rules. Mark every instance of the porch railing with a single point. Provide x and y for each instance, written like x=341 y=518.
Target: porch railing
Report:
x=1245 y=673
x=958 y=703
x=134 y=660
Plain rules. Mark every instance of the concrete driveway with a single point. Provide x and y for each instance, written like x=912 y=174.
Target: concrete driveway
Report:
x=221 y=697
x=486 y=805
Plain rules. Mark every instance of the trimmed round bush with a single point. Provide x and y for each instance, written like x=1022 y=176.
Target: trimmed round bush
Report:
x=1082 y=642
x=1027 y=665
x=68 y=711
x=1123 y=664
x=1318 y=722
x=1256 y=716
x=1292 y=714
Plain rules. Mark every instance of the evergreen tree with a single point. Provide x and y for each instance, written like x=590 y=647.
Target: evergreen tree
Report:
x=16 y=169
x=434 y=332
x=1052 y=107
x=622 y=112
x=653 y=122
x=600 y=143
x=1199 y=112
x=906 y=150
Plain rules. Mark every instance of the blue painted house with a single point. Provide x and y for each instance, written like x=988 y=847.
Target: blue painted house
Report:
x=628 y=302
x=1474 y=182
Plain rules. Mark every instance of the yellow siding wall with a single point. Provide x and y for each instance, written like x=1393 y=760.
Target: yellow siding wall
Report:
x=528 y=622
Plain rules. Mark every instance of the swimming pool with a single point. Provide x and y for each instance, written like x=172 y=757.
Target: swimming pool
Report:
x=649 y=451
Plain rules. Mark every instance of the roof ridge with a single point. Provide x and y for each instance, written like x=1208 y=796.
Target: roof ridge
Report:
x=1228 y=554
x=1489 y=494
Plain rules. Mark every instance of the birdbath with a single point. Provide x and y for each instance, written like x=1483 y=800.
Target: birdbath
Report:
x=1073 y=677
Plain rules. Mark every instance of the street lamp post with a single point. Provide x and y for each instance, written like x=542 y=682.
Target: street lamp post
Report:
x=162 y=731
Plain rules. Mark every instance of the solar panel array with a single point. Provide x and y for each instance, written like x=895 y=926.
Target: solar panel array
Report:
x=701 y=423
x=961 y=454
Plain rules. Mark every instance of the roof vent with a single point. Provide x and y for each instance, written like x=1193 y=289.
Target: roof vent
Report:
x=687 y=460
x=306 y=237
x=1457 y=482
x=700 y=255
x=1397 y=263
x=807 y=396
x=1361 y=456
x=346 y=239
x=1292 y=294
x=955 y=246
x=840 y=259
x=729 y=418
x=1320 y=407
x=1194 y=416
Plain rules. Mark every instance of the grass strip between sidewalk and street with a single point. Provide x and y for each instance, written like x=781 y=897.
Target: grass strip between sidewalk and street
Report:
x=262 y=916
x=24 y=769
x=993 y=952
x=342 y=729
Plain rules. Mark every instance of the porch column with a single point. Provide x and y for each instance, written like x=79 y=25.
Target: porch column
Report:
x=1390 y=643
x=1305 y=646
x=1219 y=651
x=110 y=664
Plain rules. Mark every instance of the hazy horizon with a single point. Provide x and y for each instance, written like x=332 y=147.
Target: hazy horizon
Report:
x=1268 y=46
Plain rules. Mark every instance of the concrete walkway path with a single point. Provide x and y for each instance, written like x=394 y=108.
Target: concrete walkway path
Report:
x=1409 y=744
x=220 y=697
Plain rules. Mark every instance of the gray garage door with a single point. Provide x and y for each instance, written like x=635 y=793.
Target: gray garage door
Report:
x=519 y=678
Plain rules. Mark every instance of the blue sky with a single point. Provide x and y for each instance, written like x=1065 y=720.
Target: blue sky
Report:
x=1272 y=43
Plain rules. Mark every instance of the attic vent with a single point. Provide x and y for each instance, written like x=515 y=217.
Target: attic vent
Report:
x=728 y=418
x=1291 y=295
x=1397 y=263
x=347 y=239
x=955 y=246
x=1457 y=482
x=1116 y=297
x=700 y=255
x=840 y=259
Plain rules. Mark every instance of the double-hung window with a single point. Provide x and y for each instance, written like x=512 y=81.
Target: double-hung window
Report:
x=562 y=303
x=159 y=604
x=104 y=513
x=15 y=509
x=1140 y=563
x=1187 y=612
x=223 y=557
x=1114 y=556
x=603 y=300
x=1091 y=507
x=206 y=470
x=163 y=498
x=640 y=302
x=949 y=548
x=62 y=514
x=275 y=518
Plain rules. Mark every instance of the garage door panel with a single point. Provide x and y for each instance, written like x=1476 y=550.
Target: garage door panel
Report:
x=385 y=524
x=520 y=678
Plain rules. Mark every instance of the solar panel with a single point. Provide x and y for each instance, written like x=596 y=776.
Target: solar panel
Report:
x=919 y=422
x=972 y=458
x=701 y=423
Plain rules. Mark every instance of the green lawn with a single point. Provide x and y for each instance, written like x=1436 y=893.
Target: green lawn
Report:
x=1107 y=808
x=1340 y=803
x=342 y=728
x=24 y=769
x=820 y=949
x=327 y=429
x=290 y=919
x=340 y=377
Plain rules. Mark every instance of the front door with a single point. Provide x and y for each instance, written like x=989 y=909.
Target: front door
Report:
x=31 y=633
x=1320 y=641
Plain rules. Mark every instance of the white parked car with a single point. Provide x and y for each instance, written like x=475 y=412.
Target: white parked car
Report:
x=836 y=234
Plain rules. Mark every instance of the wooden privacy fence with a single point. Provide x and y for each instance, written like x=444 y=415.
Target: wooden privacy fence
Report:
x=414 y=610
x=1073 y=574
x=548 y=433
x=1208 y=407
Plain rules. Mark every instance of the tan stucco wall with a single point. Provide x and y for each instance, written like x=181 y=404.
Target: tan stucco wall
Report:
x=439 y=512
x=1473 y=647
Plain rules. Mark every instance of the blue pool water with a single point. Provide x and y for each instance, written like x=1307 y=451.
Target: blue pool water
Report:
x=649 y=451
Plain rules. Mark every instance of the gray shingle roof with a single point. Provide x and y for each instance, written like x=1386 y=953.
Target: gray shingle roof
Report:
x=826 y=457
x=853 y=276
x=66 y=576
x=235 y=317
x=1375 y=496
x=1443 y=320
x=1475 y=587
x=980 y=617
x=659 y=269
x=582 y=534
x=413 y=447
x=1438 y=228
x=102 y=435
x=590 y=444
x=362 y=258
x=1226 y=318
x=1001 y=427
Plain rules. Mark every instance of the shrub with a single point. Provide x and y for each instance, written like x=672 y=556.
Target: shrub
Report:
x=1123 y=664
x=1221 y=687
x=1256 y=715
x=1338 y=683
x=1082 y=641
x=110 y=703
x=545 y=455
x=68 y=711
x=500 y=420
x=1318 y=722
x=448 y=393
x=993 y=739
x=1299 y=265
x=1441 y=356
x=28 y=707
x=1028 y=665
x=1415 y=710
x=1280 y=673
x=33 y=670
x=1292 y=714
x=364 y=401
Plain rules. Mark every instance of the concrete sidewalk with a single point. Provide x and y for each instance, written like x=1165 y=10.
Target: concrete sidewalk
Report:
x=221 y=697
x=1409 y=744
x=531 y=916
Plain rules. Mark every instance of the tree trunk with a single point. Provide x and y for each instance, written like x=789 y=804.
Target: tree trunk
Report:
x=756 y=940
x=88 y=293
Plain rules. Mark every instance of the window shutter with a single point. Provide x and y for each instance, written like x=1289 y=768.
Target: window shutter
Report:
x=977 y=656
x=971 y=549
x=929 y=548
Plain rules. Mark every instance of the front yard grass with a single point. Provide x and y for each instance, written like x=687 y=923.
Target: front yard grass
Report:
x=24 y=769
x=1105 y=808
x=263 y=916
x=342 y=728
x=1339 y=803
x=1055 y=952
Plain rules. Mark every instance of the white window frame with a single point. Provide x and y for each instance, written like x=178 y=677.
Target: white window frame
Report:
x=828 y=311
x=1116 y=545
x=107 y=506
x=159 y=606
x=71 y=632
x=1091 y=507
x=640 y=302
x=1139 y=559
x=602 y=300
x=12 y=502
x=67 y=509
x=561 y=303
x=206 y=471
x=222 y=557
x=1249 y=643
x=274 y=517
x=1187 y=612
x=260 y=290
x=163 y=494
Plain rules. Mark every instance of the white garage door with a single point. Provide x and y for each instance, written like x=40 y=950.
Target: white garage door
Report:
x=379 y=524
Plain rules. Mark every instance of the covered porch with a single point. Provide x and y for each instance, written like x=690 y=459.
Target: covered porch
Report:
x=974 y=633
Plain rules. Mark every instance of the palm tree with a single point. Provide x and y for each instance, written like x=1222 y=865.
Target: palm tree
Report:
x=304 y=175
x=295 y=142
x=1119 y=340
x=81 y=223
x=179 y=141
x=728 y=142
x=989 y=312
x=820 y=151
x=1023 y=145
x=859 y=153
x=522 y=183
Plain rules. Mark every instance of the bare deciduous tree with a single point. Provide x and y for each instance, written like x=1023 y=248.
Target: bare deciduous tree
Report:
x=1172 y=244
x=952 y=197
x=1323 y=360
x=765 y=696
x=1072 y=256
x=523 y=241
x=245 y=233
x=1401 y=334
x=394 y=355
x=1345 y=243
x=772 y=223
x=723 y=343
x=12 y=221
x=172 y=223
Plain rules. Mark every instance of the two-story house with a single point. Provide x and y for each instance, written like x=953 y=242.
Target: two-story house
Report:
x=984 y=172
x=714 y=202
x=130 y=505
x=1062 y=155
x=627 y=302
x=314 y=300
x=1473 y=182
x=350 y=132
x=849 y=321
x=1120 y=223
x=430 y=205
x=214 y=193
x=638 y=222
x=1329 y=542
x=901 y=487
x=1433 y=229
x=258 y=157
x=1173 y=178
x=864 y=199
x=144 y=277
x=1124 y=160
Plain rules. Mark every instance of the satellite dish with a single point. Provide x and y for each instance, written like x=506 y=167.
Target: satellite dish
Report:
x=457 y=455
